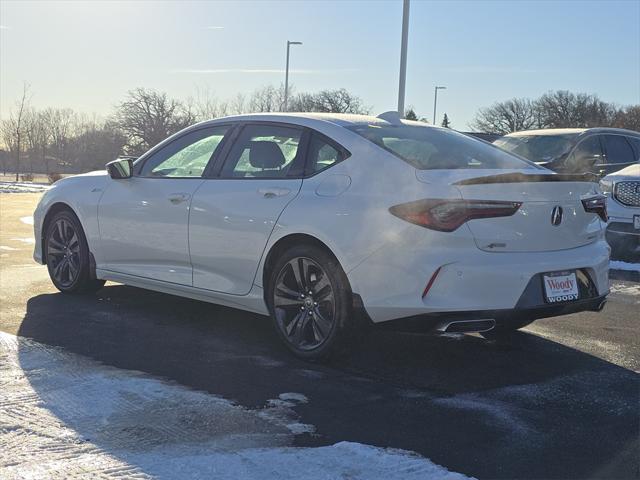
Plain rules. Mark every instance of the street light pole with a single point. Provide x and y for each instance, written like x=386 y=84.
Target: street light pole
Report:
x=435 y=101
x=286 y=74
x=403 y=56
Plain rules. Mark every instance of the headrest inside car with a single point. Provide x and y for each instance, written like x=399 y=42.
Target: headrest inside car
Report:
x=266 y=155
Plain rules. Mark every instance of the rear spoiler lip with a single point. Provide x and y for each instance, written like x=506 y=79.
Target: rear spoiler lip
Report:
x=530 y=178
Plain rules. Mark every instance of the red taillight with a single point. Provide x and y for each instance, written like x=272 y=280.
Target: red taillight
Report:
x=597 y=205
x=448 y=215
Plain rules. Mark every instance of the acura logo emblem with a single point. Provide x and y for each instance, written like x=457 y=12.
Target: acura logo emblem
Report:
x=556 y=216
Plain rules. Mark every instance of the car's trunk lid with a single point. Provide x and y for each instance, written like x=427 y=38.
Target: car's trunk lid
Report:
x=535 y=226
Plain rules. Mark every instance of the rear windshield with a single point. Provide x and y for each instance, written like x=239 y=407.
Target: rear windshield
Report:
x=428 y=148
x=538 y=148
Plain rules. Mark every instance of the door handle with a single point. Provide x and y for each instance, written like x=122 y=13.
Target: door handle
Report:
x=274 y=192
x=177 y=198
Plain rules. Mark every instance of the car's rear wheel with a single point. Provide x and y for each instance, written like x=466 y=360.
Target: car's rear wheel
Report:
x=68 y=255
x=310 y=302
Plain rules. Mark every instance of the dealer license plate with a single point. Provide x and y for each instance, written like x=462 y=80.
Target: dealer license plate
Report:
x=636 y=222
x=560 y=286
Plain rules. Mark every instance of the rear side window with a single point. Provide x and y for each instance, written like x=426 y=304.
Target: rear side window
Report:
x=618 y=149
x=635 y=142
x=322 y=154
x=263 y=151
x=428 y=148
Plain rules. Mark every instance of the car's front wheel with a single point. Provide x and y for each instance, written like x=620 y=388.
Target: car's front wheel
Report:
x=310 y=302
x=68 y=255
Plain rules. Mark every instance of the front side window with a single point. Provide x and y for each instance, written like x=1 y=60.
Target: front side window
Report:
x=263 y=151
x=321 y=155
x=587 y=153
x=428 y=148
x=618 y=149
x=186 y=157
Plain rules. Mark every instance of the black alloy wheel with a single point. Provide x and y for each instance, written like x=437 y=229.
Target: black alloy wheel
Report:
x=310 y=302
x=67 y=255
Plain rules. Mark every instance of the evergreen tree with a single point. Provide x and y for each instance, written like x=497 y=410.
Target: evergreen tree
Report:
x=410 y=114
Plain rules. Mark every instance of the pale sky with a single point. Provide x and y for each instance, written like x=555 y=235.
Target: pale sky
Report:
x=87 y=54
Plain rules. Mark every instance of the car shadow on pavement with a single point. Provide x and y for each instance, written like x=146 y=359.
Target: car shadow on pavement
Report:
x=529 y=408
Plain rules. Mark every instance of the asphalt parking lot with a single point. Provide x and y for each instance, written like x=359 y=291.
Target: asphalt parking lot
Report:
x=561 y=400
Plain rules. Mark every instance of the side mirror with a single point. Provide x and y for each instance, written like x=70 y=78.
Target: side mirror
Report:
x=120 y=168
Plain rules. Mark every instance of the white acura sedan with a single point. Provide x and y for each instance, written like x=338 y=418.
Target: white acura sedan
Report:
x=330 y=222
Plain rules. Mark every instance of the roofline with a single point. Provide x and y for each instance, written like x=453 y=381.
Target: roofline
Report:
x=337 y=119
x=579 y=131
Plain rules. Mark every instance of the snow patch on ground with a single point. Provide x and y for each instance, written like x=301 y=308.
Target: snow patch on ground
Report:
x=279 y=410
x=630 y=267
x=28 y=240
x=516 y=409
x=497 y=412
x=625 y=289
x=9 y=249
x=294 y=397
x=66 y=416
x=28 y=220
x=23 y=187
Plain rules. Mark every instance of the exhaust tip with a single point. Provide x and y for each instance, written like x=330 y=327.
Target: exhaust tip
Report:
x=468 y=326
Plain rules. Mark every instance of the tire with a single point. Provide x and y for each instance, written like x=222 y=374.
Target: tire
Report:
x=310 y=302
x=505 y=332
x=68 y=255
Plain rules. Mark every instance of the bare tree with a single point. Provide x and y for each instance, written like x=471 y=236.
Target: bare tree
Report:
x=79 y=142
x=333 y=101
x=628 y=117
x=236 y=106
x=559 y=109
x=267 y=99
x=38 y=137
x=7 y=129
x=62 y=127
x=14 y=128
x=147 y=117
x=563 y=109
x=204 y=104
x=96 y=143
x=506 y=117
x=302 y=102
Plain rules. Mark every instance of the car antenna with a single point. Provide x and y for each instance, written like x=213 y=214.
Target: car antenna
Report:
x=391 y=116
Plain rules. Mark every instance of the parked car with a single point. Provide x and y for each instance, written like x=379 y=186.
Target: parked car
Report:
x=487 y=137
x=576 y=150
x=623 y=232
x=329 y=222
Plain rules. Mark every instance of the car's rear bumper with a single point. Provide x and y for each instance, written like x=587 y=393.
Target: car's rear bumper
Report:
x=481 y=320
x=392 y=282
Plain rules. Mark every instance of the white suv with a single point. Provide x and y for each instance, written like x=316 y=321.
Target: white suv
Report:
x=623 y=191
